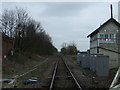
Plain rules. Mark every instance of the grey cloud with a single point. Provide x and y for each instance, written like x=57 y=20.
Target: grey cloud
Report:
x=64 y=9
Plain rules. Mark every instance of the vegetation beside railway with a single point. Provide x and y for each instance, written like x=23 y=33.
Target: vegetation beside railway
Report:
x=69 y=49
x=31 y=42
x=19 y=63
x=39 y=63
x=29 y=36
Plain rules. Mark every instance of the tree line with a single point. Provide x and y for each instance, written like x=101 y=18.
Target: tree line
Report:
x=28 y=34
x=69 y=49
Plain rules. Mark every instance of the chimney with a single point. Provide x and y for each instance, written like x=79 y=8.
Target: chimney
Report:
x=111 y=11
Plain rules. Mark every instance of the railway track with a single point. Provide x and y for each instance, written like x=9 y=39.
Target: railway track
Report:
x=63 y=78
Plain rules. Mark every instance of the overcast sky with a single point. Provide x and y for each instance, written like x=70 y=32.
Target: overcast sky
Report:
x=68 y=21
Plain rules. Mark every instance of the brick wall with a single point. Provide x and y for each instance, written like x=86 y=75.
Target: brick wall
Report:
x=7 y=44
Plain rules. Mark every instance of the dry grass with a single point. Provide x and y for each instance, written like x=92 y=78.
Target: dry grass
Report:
x=19 y=64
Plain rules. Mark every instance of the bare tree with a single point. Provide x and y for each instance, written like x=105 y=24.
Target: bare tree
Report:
x=8 y=22
x=22 y=18
x=13 y=21
x=29 y=34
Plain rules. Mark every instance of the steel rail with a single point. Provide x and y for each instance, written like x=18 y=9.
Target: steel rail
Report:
x=53 y=77
x=54 y=73
x=78 y=85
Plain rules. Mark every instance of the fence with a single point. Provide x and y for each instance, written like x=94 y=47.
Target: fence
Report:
x=98 y=63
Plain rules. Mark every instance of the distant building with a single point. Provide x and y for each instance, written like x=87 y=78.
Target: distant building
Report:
x=106 y=40
x=7 y=44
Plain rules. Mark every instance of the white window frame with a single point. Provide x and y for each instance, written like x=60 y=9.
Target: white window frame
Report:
x=105 y=37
